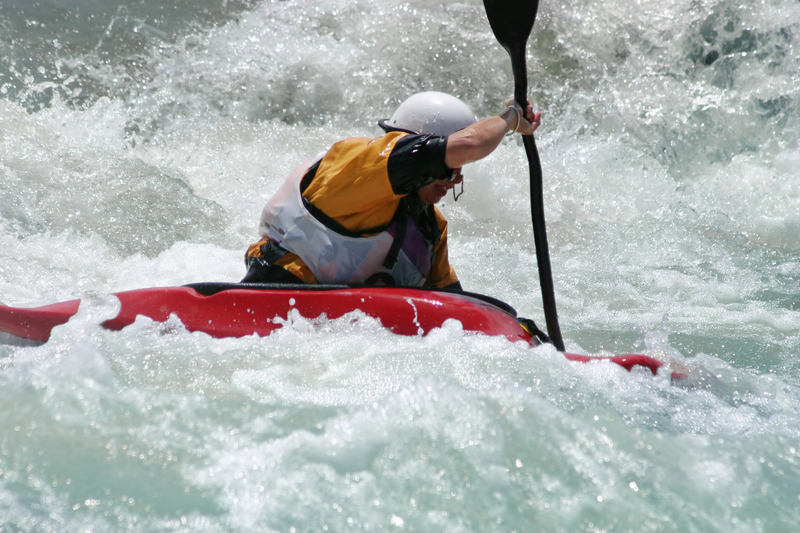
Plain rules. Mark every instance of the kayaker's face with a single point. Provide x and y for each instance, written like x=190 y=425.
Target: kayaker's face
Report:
x=431 y=194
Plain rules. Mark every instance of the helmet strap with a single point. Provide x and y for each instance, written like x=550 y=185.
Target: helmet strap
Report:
x=457 y=196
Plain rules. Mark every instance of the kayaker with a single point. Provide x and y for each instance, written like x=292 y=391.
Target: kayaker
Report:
x=363 y=212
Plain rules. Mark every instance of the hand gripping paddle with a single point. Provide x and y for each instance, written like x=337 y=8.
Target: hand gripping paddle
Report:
x=512 y=22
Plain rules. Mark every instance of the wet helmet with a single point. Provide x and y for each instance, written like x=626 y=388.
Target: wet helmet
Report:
x=430 y=113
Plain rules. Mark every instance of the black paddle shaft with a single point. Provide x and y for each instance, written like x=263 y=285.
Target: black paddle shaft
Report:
x=512 y=22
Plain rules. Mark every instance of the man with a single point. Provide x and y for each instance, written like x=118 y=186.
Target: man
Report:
x=363 y=212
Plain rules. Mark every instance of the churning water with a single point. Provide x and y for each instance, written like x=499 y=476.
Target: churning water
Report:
x=140 y=139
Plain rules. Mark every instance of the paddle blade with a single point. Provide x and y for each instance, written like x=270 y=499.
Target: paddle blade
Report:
x=511 y=21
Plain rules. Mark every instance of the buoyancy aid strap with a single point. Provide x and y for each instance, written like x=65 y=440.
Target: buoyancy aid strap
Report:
x=320 y=215
x=397 y=244
x=329 y=222
x=308 y=177
x=435 y=235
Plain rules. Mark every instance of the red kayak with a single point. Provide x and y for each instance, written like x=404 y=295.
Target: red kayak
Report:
x=238 y=309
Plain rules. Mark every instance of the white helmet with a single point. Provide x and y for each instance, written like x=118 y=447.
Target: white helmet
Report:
x=430 y=113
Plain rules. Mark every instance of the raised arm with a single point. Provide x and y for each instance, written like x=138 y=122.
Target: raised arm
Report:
x=481 y=138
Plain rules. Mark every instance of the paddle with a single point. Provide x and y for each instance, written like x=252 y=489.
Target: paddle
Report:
x=512 y=22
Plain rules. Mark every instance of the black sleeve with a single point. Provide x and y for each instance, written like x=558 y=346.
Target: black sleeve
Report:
x=417 y=161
